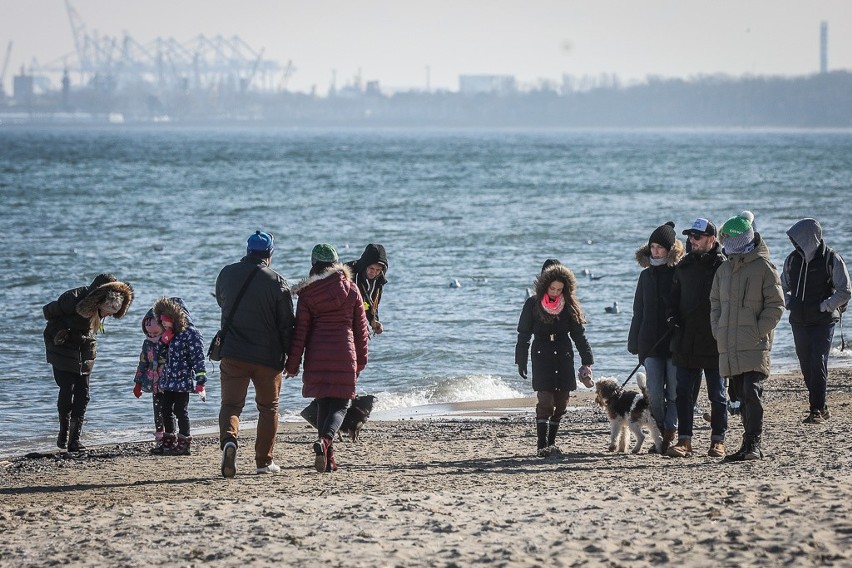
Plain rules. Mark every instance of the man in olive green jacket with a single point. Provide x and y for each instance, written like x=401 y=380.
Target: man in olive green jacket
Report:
x=746 y=303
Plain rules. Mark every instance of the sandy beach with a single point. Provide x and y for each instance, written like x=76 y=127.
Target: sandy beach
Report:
x=438 y=492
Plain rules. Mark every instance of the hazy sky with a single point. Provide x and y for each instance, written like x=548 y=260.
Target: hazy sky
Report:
x=394 y=41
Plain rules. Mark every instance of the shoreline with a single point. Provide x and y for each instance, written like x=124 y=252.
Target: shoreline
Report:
x=485 y=409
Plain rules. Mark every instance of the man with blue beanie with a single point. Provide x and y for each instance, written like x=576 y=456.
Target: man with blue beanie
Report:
x=257 y=323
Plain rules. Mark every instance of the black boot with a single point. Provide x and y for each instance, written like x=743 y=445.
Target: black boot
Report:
x=62 y=438
x=76 y=428
x=541 y=427
x=552 y=429
x=739 y=455
x=753 y=452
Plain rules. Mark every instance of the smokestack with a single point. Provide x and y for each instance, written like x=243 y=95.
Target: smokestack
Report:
x=823 y=47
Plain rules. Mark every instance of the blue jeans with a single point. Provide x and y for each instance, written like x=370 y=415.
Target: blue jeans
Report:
x=688 y=382
x=662 y=391
x=813 y=342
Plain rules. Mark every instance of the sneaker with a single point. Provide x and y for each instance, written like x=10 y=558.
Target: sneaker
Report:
x=717 y=450
x=229 y=458
x=826 y=414
x=815 y=417
x=682 y=449
x=271 y=468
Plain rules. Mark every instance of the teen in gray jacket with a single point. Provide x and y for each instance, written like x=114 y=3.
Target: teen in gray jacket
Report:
x=816 y=287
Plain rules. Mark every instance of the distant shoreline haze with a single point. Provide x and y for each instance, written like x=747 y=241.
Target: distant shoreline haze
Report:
x=814 y=101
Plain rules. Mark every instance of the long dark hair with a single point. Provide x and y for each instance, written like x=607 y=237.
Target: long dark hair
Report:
x=319 y=267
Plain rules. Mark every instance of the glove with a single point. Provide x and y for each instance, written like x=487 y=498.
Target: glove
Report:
x=137 y=390
x=522 y=370
x=585 y=374
x=61 y=337
x=673 y=323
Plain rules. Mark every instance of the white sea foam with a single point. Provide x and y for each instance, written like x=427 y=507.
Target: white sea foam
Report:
x=463 y=388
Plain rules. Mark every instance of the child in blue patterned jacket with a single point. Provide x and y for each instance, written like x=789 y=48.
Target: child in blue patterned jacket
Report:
x=151 y=361
x=183 y=373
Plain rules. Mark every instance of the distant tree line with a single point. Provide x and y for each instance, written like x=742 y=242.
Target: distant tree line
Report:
x=815 y=101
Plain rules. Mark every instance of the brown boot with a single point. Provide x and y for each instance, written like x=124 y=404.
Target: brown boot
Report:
x=717 y=450
x=668 y=437
x=682 y=449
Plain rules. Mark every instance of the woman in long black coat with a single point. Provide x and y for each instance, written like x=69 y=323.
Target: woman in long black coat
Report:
x=70 y=341
x=554 y=320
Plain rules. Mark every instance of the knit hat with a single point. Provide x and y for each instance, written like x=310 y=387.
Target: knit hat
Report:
x=701 y=226
x=738 y=232
x=261 y=243
x=549 y=262
x=112 y=302
x=323 y=253
x=664 y=235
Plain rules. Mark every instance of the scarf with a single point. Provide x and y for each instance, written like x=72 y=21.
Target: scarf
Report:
x=658 y=261
x=553 y=307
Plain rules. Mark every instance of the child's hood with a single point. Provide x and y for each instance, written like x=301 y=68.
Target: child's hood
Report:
x=177 y=310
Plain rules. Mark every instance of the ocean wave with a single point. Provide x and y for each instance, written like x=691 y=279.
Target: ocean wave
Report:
x=464 y=388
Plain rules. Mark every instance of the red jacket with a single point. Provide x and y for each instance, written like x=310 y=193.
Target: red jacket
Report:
x=331 y=330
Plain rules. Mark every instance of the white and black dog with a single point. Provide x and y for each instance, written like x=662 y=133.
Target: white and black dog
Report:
x=627 y=409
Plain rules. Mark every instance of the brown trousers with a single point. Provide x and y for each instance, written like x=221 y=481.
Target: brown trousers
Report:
x=235 y=377
x=551 y=405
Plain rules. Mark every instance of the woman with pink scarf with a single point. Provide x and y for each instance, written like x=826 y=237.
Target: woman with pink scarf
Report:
x=553 y=319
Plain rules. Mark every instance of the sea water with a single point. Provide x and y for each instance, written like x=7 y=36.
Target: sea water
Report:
x=166 y=208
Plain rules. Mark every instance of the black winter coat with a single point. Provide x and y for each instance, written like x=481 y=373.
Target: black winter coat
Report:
x=693 y=345
x=70 y=315
x=650 y=304
x=262 y=326
x=553 y=366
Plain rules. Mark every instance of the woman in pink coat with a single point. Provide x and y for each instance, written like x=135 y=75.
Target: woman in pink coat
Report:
x=332 y=332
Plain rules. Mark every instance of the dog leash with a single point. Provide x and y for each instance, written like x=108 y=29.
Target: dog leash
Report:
x=636 y=368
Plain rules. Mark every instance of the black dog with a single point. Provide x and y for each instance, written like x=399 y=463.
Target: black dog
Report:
x=356 y=415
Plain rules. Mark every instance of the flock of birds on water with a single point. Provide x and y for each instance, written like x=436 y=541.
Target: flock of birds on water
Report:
x=613 y=309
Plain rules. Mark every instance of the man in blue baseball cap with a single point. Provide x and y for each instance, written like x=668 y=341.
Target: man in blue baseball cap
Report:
x=257 y=323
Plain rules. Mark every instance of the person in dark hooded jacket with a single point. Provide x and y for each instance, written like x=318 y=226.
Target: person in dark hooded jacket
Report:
x=815 y=282
x=70 y=340
x=370 y=275
x=552 y=318
x=649 y=334
x=332 y=334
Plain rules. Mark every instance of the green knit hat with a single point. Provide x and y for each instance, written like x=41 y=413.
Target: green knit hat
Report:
x=736 y=226
x=323 y=253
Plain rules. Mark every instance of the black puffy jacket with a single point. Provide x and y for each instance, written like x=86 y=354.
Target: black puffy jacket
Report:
x=693 y=345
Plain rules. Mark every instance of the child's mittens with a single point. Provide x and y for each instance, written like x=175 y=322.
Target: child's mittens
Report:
x=137 y=390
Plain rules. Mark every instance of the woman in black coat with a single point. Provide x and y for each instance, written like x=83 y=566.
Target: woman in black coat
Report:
x=553 y=318
x=73 y=320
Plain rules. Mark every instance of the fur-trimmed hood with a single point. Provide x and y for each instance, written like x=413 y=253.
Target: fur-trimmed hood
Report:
x=643 y=255
x=88 y=306
x=330 y=271
x=563 y=274
x=177 y=310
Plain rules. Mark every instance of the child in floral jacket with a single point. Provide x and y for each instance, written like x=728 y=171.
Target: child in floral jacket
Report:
x=151 y=362
x=183 y=373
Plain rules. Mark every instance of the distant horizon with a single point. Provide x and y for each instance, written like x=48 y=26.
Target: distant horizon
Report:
x=427 y=47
